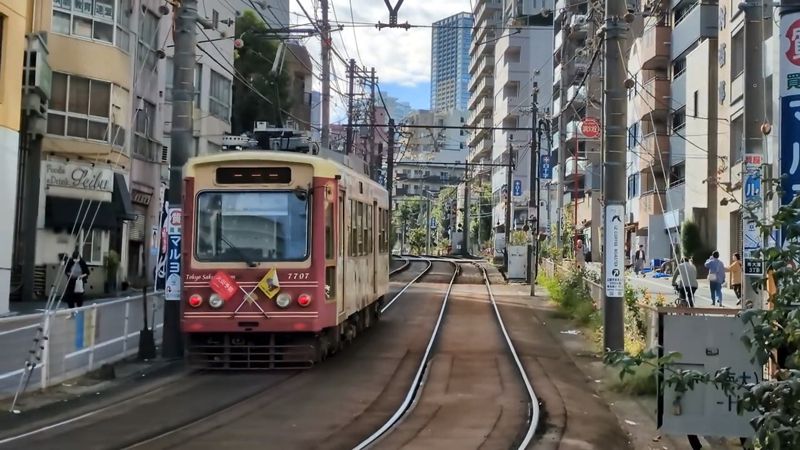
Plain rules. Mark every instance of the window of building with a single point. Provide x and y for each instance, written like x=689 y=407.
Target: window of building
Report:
x=677 y=174
x=696 y=103
x=169 y=78
x=88 y=19
x=148 y=40
x=678 y=67
x=92 y=249
x=679 y=119
x=683 y=10
x=737 y=55
x=123 y=40
x=145 y=131
x=219 y=96
x=737 y=139
x=80 y=107
x=633 y=185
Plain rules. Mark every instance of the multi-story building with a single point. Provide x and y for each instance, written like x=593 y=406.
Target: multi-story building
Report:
x=90 y=173
x=488 y=16
x=12 y=50
x=430 y=158
x=730 y=141
x=577 y=103
x=672 y=143
x=450 y=60
x=519 y=66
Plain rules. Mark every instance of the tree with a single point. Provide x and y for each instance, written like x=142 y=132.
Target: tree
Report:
x=691 y=241
x=253 y=63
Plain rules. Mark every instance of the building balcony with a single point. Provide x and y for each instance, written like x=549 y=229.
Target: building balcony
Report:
x=654 y=152
x=484 y=106
x=482 y=151
x=575 y=167
x=677 y=149
x=472 y=106
x=653 y=100
x=556 y=107
x=655 y=50
x=486 y=8
x=485 y=64
x=558 y=41
x=557 y=76
x=576 y=95
x=701 y=22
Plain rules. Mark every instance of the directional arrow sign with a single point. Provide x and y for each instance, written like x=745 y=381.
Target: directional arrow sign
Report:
x=614 y=251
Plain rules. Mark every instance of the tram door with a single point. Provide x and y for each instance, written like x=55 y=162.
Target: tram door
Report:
x=374 y=231
x=340 y=254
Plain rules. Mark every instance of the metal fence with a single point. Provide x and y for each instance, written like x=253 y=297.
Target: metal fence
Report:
x=79 y=340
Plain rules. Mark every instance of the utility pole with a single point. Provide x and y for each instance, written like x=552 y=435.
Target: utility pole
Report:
x=351 y=74
x=325 y=135
x=509 y=193
x=374 y=157
x=614 y=135
x=390 y=165
x=181 y=142
x=427 y=224
x=533 y=187
x=467 y=195
x=753 y=118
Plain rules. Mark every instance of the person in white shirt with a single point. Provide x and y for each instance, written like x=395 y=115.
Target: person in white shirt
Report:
x=687 y=284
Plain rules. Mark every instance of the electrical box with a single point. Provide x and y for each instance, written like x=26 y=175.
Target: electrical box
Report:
x=706 y=343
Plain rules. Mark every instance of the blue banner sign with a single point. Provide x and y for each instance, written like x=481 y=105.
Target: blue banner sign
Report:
x=172 y=289
x=790 y=147
x=545 y=168
x=517 y=191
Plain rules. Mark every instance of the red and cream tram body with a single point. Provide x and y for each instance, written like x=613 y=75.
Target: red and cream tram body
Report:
x=286 y=256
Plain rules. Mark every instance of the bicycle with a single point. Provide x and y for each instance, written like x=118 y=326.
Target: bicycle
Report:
x=681 y=301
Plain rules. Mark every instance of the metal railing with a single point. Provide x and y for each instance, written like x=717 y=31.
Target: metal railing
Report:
x=79 y=340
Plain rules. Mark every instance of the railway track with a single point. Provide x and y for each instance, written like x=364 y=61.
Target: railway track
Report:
x=444 y=392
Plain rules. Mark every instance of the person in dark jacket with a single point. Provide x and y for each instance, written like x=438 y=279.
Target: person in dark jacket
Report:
x=76 y=270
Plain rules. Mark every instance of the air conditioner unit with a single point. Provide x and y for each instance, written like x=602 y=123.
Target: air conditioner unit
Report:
x=578 y=20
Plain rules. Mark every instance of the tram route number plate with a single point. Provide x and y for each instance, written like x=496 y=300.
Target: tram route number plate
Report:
x=224 y=285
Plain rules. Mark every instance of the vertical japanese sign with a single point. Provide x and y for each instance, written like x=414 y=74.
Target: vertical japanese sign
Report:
x=172 y=289
x=614 y=250
x=545 y=169
x=160 y=264
x=789 y=80
x=751 y=240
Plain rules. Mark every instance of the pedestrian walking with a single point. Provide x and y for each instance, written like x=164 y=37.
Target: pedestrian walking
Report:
x=77 y=272
x=687 y=284
x=580 y=254
x=716 y=277
x=735 y=270
x=638 y=260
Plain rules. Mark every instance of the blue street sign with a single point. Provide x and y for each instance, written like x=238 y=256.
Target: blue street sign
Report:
x=433 y=222
x=517 y=190
x=790 y=147
x=545 y=169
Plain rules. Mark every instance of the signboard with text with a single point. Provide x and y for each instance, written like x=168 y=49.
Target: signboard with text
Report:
x=77 y=175
x=614 y=250
x=789 y=91
x=517 y=188
x=545 y=167
x=751 y=239
x=172 y=289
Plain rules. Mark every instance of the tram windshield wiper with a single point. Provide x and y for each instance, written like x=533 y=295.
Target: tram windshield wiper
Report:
x=238 y=251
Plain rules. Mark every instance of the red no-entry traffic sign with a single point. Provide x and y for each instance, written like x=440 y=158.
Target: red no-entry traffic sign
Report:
x=590 y=127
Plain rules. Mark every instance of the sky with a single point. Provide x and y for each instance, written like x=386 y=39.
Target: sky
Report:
x=401 y=58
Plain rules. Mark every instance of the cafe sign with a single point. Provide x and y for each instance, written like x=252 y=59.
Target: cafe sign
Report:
x=76 y=175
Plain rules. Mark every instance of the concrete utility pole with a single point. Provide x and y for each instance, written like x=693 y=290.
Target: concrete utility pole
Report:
x=509 y=194
x=181 y=140
x=374 y=157
x=390 y=167
x=351 y=74
x=754 y=116
x=533 y=187
x=614 y=135
x=427 y=224
x=325 y=135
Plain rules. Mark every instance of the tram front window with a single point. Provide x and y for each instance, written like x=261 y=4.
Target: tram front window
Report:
x=246 y=226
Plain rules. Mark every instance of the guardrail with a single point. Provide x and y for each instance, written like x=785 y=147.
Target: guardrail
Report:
x=79 y=340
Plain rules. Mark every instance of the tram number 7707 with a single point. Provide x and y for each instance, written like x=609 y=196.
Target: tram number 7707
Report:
x=298 y=276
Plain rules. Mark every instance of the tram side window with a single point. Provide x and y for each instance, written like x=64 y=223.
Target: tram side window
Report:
x=360 y=223
x=368 y=230
x=353 y=229
x=380 y=229
x=328 y=230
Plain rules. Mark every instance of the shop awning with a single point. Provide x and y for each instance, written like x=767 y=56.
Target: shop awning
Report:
x=63 y=213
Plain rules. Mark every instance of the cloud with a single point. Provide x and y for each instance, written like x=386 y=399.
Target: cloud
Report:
x=399 y=56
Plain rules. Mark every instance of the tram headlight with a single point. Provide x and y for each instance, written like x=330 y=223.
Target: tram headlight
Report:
x=215 y=301
x=283 y=300
x=304 y=300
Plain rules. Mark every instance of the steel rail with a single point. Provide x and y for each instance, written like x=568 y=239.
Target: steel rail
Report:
x=406 y=263
x=533 y=405
x=417 y=382
x=430 y=264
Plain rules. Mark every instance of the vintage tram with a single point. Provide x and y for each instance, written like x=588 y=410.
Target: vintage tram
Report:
x=286 y=258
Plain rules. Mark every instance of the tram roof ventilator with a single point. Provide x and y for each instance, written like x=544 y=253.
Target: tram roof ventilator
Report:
x=267 y=137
